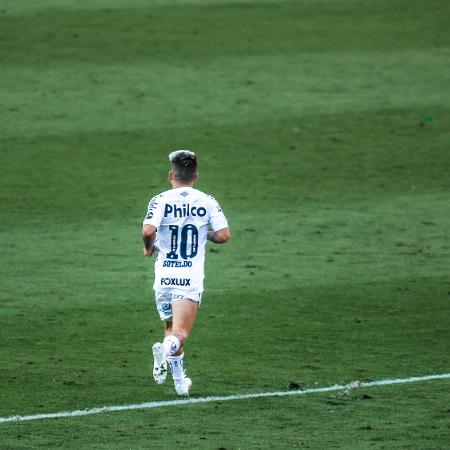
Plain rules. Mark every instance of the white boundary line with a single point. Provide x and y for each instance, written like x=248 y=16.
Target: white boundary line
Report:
x=189 y=401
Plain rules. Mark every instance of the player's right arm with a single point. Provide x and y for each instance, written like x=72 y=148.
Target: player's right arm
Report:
x=219 y=236
x=220 y=231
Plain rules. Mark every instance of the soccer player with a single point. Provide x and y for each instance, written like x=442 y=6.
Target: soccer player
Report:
x=177 y=225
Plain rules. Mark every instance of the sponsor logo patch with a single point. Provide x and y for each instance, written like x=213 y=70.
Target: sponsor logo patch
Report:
x=175 y=281
x=184 y=210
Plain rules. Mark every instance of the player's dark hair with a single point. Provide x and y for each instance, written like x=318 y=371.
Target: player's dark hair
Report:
x=184 y=166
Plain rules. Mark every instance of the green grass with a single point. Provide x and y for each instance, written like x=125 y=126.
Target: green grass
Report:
x=323 y=129
x=359 y=420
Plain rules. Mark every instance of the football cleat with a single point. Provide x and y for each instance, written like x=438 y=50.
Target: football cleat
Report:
x=159 y=363
x=182 y=386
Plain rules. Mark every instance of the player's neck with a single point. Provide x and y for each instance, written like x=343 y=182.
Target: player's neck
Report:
x=176 y=185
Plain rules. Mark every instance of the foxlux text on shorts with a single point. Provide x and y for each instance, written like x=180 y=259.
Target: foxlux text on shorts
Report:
x=175 y=281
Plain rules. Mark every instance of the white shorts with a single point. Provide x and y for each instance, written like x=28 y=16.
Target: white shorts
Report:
x=164 y=302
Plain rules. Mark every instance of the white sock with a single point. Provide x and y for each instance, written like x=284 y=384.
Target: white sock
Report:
x=176 y=364
x=171 y=345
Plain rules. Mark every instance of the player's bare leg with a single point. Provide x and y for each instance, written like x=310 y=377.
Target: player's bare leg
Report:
x=184 y=313
x=167 y=328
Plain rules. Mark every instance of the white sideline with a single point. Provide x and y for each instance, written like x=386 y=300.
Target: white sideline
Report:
x=189 y=401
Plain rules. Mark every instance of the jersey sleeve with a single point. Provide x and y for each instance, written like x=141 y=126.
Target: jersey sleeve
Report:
x=154 y=214
x=217 y=218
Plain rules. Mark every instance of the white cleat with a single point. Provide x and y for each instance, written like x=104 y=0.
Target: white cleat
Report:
x=182 y=386
x=159 y=363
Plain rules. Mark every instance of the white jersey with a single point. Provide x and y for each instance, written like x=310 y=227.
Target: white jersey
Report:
x=182 y=217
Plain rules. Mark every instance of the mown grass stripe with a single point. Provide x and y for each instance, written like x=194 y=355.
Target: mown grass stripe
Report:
x=160 y=404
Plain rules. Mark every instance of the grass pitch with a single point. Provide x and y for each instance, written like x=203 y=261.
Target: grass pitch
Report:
x=323 y=129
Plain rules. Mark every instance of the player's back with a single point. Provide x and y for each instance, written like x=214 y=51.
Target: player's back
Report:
x=184 y=223
x=182 y=216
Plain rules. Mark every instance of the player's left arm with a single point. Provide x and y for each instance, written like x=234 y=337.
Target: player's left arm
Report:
x=151 y=223
x=149 y=237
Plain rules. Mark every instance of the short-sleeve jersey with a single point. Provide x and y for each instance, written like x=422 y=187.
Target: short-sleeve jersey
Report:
x=182 y=217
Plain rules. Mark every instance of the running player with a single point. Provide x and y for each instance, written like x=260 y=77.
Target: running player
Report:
x=177 y=227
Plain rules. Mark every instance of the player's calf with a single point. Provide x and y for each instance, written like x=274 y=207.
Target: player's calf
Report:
x=173 y=343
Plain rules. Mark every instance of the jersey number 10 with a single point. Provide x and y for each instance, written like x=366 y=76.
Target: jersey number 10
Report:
x=186 y=251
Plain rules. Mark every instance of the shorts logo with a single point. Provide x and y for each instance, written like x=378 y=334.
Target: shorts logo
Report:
x=175 y=281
